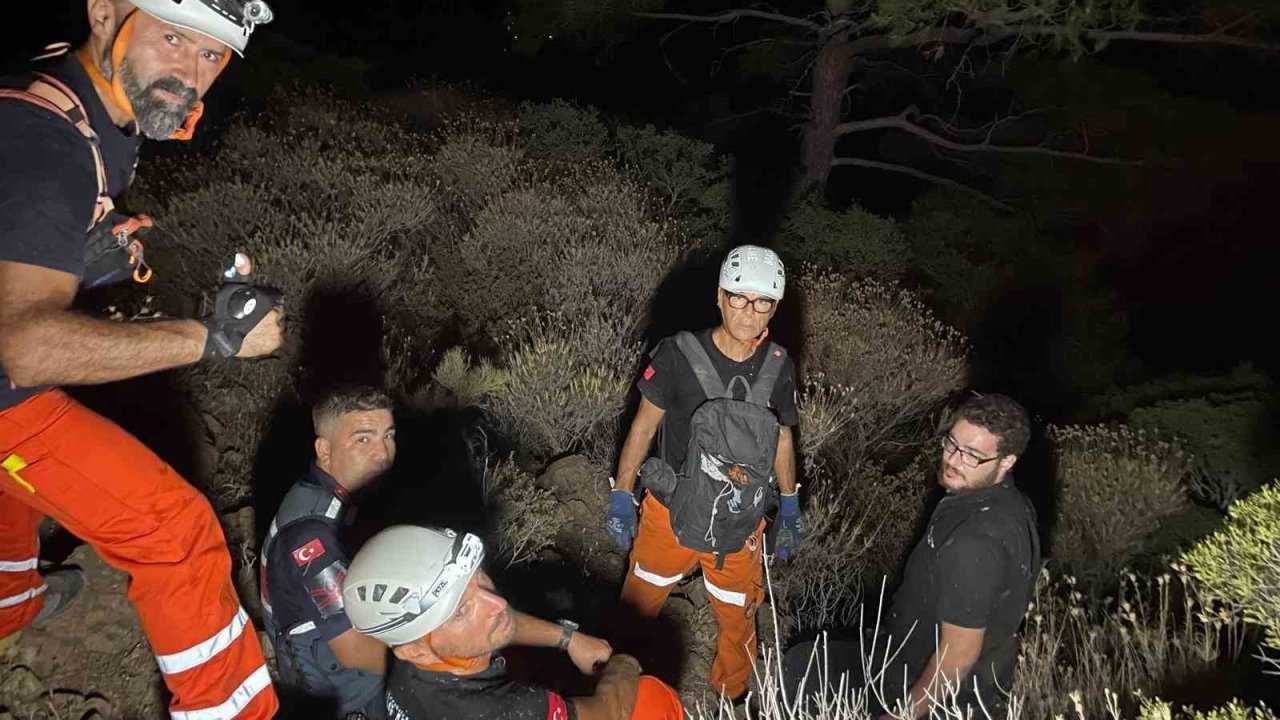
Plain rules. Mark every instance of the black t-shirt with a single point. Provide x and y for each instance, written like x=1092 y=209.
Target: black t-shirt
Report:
x=975 y=567
x=48 y=182
x=416 y=694
x=305 y=567
x=669 y=383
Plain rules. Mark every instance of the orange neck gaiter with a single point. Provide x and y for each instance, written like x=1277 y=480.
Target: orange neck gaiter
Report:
x=113 y=89
x=457 y=666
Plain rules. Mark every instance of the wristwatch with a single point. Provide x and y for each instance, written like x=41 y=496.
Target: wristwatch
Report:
x=569 y=628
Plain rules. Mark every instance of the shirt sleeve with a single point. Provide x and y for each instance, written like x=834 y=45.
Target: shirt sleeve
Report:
x=658 y=381
x=314 y=567
x=971 y=571
x=785 y=400
x=47 y=191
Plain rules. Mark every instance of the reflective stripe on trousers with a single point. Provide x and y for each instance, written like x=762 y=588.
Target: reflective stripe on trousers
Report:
x=141 y=517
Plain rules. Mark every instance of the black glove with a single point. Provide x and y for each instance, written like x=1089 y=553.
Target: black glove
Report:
x=237 y=310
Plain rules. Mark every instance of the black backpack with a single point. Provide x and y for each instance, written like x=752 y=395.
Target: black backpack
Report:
x=726 y=483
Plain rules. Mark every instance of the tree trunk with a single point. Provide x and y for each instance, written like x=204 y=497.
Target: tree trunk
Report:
x=830 y=73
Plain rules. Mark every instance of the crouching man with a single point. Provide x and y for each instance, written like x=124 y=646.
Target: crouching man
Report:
x=953 y=626
x=422 y=592
x=305 y=556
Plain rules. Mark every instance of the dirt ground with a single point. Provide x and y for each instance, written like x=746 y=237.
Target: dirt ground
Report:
x=91 y=662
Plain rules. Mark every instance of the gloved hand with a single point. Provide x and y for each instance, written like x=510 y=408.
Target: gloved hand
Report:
x=237 y=310
x=621 y=523
x=790 y=525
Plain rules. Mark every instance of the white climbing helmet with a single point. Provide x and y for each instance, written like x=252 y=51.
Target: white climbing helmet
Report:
x=750 y=268
x=407 y=581
x=230 y=22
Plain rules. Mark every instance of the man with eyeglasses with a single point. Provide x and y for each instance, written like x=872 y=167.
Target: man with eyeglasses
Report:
x=422 y=592
x=965 y=588
x=725 y=401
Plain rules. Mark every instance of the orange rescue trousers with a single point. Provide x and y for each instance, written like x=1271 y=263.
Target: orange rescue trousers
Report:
x=100 y=483
x=659 y=561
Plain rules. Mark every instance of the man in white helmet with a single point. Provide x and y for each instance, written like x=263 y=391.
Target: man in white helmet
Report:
x=422 y=592
x=72 y=129
x=725 y=400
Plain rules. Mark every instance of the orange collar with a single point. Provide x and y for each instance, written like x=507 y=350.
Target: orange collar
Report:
x=455 y=665
x=113 y=89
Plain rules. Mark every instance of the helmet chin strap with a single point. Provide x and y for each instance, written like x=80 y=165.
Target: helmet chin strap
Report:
x=455 y=665
x=113 y=89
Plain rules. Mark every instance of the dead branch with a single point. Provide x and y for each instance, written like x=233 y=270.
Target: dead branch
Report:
x=732 y=15
x=903 y=121
x=922 y=175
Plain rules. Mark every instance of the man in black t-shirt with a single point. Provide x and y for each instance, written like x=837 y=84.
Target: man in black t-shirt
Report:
x=965 y=588
x=422 y=592
x=71 y=131
x=752 y=281
x=305 y=557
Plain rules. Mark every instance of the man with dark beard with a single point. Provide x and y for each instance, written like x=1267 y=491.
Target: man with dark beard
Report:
x=72 y=129
x=952 y=632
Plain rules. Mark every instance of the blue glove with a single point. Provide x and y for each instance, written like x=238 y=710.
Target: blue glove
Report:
x=620 y=524
x=790 y=525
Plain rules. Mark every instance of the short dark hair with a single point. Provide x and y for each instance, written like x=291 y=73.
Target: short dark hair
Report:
x=354 y=398
x=1001 y=416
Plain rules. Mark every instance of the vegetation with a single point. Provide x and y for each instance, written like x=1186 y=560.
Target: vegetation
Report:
x=512 y=266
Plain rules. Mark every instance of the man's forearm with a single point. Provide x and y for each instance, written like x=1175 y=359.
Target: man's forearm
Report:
x=784 y=465
x=63 y=347
x=535 y=632
x=939 y=680
x=631 y=458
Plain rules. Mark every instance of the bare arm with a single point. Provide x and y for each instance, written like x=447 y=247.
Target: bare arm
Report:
x=360 y=652
x=585 y=650
x=639 y=438
x=615 y=695
x=44 y=342
x=958 y=650
x=784 y=464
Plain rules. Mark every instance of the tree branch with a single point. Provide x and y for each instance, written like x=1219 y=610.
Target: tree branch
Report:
x=731 y=15
x=902 y=121
x=922 y=175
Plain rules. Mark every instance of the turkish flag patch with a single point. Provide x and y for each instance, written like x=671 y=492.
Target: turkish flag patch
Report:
x=306 y=554
x=557 y=708
x=649 y=373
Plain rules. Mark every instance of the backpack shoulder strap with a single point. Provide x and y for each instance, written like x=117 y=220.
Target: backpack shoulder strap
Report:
x=51 y=94
x=698 y=359
x=770 y=371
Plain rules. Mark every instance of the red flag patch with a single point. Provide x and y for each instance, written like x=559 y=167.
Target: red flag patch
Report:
x=649 y=373
x=309 y=552
x=557 y=708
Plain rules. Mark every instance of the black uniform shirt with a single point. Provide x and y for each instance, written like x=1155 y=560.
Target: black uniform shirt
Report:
x=305 y=567
x=416 y=694
x=670 y=384
x=48 y=182
x=975 y=567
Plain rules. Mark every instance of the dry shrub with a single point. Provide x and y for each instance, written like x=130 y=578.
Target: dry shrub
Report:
x=876 y=361
x=468 y=383
x=1114 y=487
x=327 y=198
x=525 y=517
x=859 y=523
x=1154 y=636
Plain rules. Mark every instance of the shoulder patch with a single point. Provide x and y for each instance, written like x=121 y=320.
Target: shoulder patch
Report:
x=325 y=589
x=307 y=554
x=649 y=373
x=557 y=708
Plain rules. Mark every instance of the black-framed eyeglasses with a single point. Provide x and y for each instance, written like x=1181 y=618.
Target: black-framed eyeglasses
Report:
x=968 y=458
x=737 y=301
